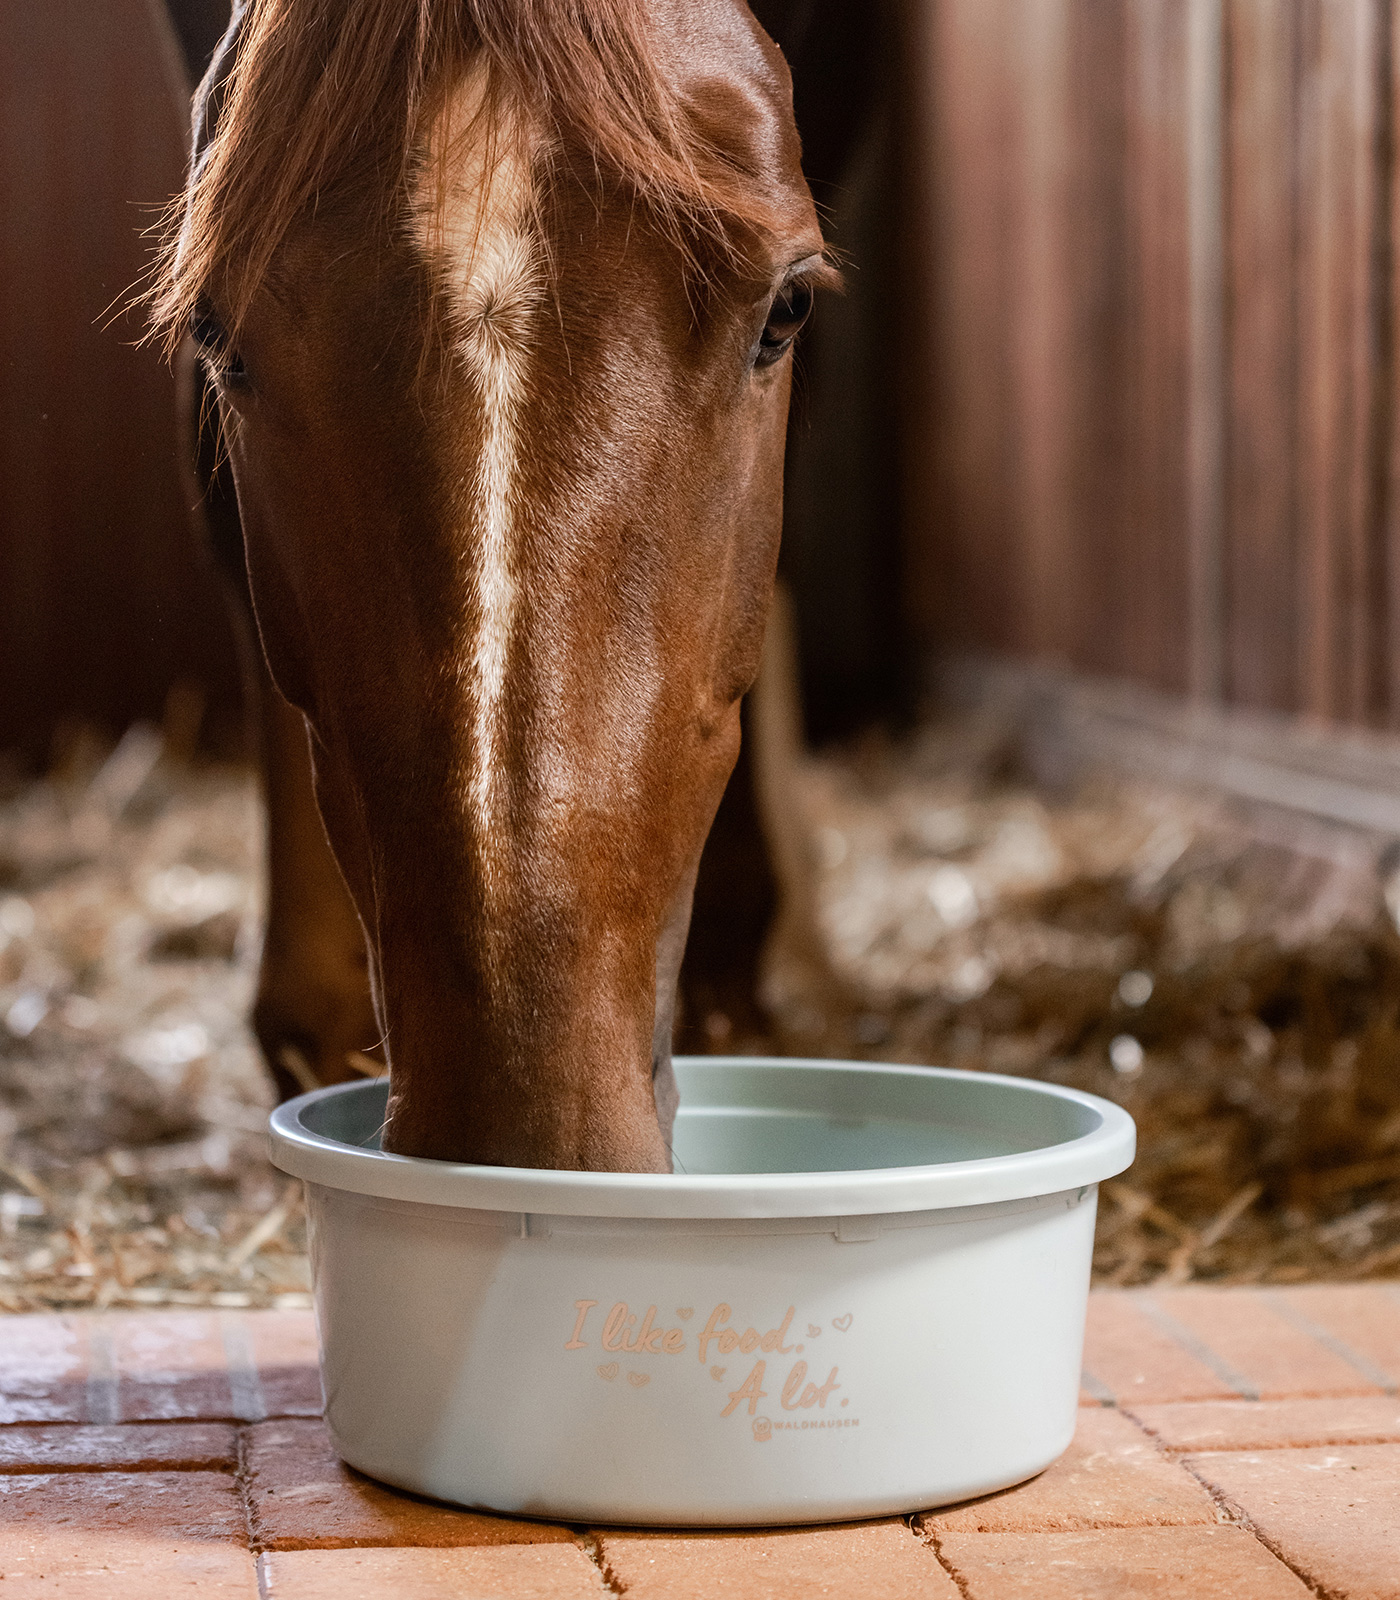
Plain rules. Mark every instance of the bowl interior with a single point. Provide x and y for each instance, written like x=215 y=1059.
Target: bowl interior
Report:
x=774 y=1117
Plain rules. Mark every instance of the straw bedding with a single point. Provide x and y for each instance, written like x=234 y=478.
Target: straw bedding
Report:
x=133 y=1166
x=1233 y=980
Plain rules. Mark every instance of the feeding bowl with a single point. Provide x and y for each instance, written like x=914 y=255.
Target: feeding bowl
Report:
x=861 y=1292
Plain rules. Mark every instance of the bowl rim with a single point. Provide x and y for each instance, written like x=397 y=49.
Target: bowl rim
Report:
x=1107 y=1149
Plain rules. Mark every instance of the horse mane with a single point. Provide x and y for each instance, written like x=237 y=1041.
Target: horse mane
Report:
x=317 y=90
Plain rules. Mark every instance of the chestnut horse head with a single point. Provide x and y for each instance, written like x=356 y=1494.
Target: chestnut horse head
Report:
x=499 y=296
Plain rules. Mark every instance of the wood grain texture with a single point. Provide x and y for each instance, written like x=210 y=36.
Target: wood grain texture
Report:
x=1338 y=212
x=1262 y=665
x=104 y=601
x=1166 y=285
x=1158 y=636
x=969 y=579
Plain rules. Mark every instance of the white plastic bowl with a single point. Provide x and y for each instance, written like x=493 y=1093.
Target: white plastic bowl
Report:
x=862 y=1292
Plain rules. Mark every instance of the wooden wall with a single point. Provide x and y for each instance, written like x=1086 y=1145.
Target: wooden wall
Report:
x=105 y=599
x=1155 y=434
x=1139 y=318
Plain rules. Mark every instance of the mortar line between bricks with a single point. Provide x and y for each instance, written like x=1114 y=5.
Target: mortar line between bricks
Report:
x=1236 y=1516
x=1197 y=1347
x=260 y=1569
x=243 y=1478
x=589 y=1543
x=930 y=1538
x=1157 y=1443
x=1368 y=1369
x=1170 y=1451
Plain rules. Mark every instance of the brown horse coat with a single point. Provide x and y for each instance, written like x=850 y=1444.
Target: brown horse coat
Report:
x=498 y=298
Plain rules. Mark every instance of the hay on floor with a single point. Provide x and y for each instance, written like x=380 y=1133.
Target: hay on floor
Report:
x=1232 y=979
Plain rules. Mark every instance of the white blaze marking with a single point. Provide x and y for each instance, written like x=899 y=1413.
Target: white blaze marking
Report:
x=482 y=236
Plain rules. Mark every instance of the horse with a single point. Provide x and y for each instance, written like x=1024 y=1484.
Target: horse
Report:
x=495 y=300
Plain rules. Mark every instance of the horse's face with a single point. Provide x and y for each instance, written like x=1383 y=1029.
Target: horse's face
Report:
x=510 y=477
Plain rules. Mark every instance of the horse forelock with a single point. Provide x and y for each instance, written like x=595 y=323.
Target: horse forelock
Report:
x=309 y=95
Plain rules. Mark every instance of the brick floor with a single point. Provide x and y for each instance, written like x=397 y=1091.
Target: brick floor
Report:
x=1131 y=1358
x=302 y=1497
x=124 y=1534
x=1119 y=1564
x=872 y=1560
x=1241 y=1443
x=1273 y=1424
x=1332 y=1514
x=1113 y=1476
x=524 y=1572
x=137 y=1447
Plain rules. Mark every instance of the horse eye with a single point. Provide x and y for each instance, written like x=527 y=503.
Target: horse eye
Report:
x=212 y=338
x=791 y=307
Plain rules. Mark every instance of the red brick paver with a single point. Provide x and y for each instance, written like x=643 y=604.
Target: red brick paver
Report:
x=1273 y=1424
x=138 y=1447
x=1362 y=1318
x=43 y=1369
x=1251 y=1335
x=138 y=1366
x=1137 y=1361
x=1112 y=1476
x=124 y=1536
x=871 y=1561
x=304 y=1498
x=1119 y=1564
x=1332 y=1514
x=162 y=1366
x=1241 y=1443
x=524 y=1572
x=281 y=1351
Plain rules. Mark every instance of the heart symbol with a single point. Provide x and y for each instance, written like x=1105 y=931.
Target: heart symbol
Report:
x=718 y=1372
x=813 y=1332
x=841 y=1323
x=609 y=1372
x=638 y=1380
x=685 y=1313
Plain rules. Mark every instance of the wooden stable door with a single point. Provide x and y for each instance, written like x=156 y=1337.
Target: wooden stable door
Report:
x=1160 y=421
x=105 y=597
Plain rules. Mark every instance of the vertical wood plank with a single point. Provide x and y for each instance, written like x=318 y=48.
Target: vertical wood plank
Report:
x=1389 y=420
x=1039 y=326
x=1152 y=600
x=970 y=576
x=1099 y=380
x=1261 y=601
x=1374 y=358
x=1168 y=295
x=1338 y=212
x=104 y=599
x=1205 y=417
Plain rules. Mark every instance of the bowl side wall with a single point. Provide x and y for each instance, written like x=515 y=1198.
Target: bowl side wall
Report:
x=699 y=1373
